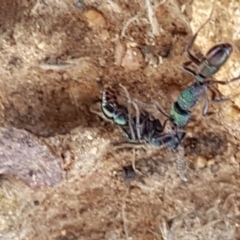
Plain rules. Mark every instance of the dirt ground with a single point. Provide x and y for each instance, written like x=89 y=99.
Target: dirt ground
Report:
x=56 y=56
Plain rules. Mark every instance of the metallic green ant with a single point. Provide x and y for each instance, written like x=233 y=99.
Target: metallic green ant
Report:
x=207 y=67
x=215 y=58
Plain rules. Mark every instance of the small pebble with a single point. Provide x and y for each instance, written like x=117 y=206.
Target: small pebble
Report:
x=104 y=35
x=95 y=18
x=132 y=60
x=79 y=4
x=36 y=202
x=200 y=162
x=211 y=162
x=214 y=168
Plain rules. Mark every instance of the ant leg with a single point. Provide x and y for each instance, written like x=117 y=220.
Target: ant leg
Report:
x=192 y=40
x=161 y=111
x=129 y=112
x=206 y=104
x=187 y=69
x=124 y=133
x=216 y=92
x=96 y=109
x=151 y=105
x=164 y=124
x=205 y=107
x=233 y=79
x=130 y=142
x=225 y=82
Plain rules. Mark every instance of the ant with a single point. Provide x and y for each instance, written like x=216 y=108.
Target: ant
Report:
x=141 y=128
x=215 y=58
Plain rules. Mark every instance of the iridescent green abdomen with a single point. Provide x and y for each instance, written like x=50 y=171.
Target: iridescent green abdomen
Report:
x=179 y=116
x=189 y=97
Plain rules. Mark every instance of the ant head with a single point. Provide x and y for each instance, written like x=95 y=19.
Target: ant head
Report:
x=219 y=54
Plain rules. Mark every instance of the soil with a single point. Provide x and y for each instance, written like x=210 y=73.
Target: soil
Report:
x=56 y=57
